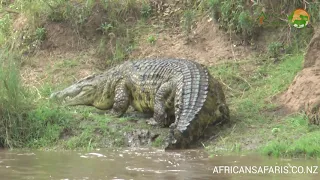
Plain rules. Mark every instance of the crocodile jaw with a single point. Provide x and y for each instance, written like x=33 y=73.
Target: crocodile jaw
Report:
x=75 y=95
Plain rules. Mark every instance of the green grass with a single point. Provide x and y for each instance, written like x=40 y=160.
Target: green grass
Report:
x=188 y=19
x=248 y=90
x=47 y=122
x=151 y=39
x=25 y=120
x=67 y=63
x=29 y=120
x=158 y=142
x=250 y=87
x=118 y=29
x=295 y=138
x=14 y=102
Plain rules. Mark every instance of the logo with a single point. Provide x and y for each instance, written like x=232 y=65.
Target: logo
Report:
x=299 y=18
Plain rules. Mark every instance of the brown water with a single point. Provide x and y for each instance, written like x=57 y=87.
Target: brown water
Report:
x=143 y=164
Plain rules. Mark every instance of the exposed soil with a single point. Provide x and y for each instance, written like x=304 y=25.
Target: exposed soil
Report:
x=60 y=35
x=66 y=36
x=305 y=88
x=55 y=67
x=206 y=44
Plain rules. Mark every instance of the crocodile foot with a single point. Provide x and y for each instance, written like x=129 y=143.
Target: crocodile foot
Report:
x=152 y=122
x=173 y=126
x=114 y=113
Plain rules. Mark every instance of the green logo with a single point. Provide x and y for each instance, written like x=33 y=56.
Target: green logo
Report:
x=299 y=18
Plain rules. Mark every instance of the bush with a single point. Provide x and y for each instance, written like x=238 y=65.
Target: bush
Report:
x=14 y=101
x=274 y=49
x=22 y=123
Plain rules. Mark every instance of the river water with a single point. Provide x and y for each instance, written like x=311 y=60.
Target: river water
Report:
x=146 y=164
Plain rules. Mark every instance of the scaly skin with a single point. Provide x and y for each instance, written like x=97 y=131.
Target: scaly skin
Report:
x=180 y=93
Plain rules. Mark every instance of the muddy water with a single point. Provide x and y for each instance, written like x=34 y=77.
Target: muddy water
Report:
x=145 y=164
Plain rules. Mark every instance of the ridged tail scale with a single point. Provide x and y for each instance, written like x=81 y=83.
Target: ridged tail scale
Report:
x=191 y=93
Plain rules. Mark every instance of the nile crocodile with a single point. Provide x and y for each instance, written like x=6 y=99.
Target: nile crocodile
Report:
x=181 y=94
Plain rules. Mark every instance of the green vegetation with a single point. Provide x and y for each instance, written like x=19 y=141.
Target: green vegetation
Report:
x=187 y=21
x=274 y=49
x=23 y=123
x=13 y=102
x=120 y=24
x=244 y=17
x=152 y=39
x=294 y=138
x=234 y=16
x=257 y=124
x=146 y=10
x=29 y=119
x=40 y=34
x=5 y=28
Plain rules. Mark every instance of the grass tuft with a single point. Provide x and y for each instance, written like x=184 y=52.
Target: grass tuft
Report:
x=294 y=140
x=14 y=101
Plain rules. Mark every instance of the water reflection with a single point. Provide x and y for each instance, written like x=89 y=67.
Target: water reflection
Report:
x=139 y=164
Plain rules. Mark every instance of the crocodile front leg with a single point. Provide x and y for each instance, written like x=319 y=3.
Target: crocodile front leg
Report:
x=121 y=100
x=160 y=115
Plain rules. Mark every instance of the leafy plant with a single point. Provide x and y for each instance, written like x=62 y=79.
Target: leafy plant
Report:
x=40 y=34
x=151 y=39
x=244 y=20
x=146 y=10
x=106 y=27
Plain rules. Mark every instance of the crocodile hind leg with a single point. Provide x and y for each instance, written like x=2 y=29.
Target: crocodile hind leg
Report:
x=160 y=115
x=121 y=100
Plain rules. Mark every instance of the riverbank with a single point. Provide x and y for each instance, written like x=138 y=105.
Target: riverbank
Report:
x=257 y=123
x=44 y=55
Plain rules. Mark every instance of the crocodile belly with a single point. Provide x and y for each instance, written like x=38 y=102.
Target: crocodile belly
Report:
x=143 y=100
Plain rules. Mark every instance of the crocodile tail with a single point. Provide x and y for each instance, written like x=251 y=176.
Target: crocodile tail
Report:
x=191 y=93
x=222 y=108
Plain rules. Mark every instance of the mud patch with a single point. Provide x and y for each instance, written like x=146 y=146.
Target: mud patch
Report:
x=140 y=138
x=61 y=36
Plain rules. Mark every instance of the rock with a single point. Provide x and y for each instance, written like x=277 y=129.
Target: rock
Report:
x=139 y=137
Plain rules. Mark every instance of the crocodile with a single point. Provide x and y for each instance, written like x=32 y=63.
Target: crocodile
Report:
x=180 y=94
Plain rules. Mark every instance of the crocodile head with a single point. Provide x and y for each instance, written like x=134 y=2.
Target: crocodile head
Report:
x=87 y=91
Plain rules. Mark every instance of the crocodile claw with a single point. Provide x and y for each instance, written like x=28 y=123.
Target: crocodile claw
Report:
x=115 y=114
x=173 y=126
x=152 y=122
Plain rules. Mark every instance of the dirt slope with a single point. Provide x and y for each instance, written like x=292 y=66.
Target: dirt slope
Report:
x=69 y=56
x=305 y=88
x=207 y=44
